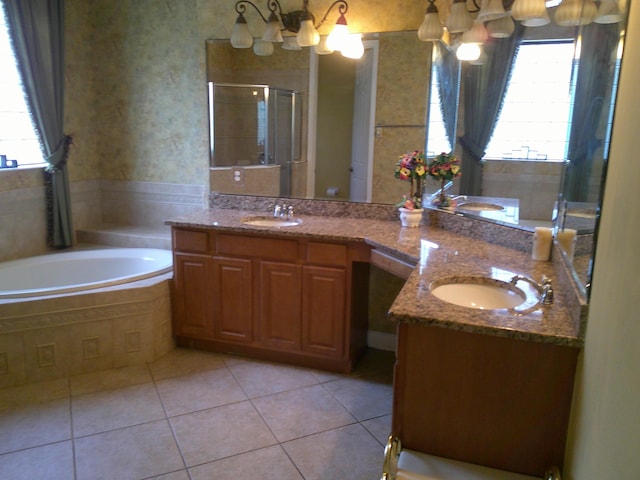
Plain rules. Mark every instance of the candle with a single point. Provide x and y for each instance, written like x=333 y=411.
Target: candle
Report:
x=567 y=239
x=542 y=239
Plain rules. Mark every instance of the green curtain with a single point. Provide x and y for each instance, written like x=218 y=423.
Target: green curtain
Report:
x=596 y=71
x=483 y=90
x=36 y=29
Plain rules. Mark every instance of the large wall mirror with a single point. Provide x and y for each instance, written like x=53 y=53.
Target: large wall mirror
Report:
x=343 y=124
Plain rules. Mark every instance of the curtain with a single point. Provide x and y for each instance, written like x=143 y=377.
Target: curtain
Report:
x=448 y=72
x=596 y=71
x=36 y=29
x=483 y=90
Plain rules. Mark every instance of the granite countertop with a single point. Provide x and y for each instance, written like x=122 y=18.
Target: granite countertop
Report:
x=437 y=253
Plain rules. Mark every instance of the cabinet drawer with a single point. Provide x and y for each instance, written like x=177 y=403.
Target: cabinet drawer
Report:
x=191 y=240
x=266 y=248
x=326 y=254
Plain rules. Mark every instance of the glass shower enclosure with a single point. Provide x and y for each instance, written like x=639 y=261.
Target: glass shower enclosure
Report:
x=254 y=127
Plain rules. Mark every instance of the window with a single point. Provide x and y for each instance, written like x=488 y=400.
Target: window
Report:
x=437 y=140
x=535 y=117
x=18 y=140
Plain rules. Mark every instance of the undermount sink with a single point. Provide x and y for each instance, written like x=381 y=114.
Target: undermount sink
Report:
x=480 y=207
x=271 y=221
x=479 y=292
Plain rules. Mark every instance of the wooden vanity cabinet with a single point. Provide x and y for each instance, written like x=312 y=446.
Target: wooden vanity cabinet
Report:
x=487 y=400
x=288 y=299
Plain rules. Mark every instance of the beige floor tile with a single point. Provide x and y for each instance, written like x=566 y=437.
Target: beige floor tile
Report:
x=183 y=361
x=111 y=409
x=199 y=391
x=364 y=399
x=33 y=393
x=269 y=463
x=220 y=432
x=344 y=453
x=379 y=427
x=34 y=424
x=301 y=412
x=109 y=379
x=264 y=378
x=53 y=462
x=135 y=452
x=180 y=475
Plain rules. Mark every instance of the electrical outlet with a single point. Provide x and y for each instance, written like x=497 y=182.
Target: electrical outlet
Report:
x=237 y=176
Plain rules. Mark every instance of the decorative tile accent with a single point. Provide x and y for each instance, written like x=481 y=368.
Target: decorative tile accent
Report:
x=46 y=355
x=90 y=347
x=133 y=342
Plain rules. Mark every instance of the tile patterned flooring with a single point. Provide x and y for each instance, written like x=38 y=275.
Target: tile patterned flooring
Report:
x=195 y=415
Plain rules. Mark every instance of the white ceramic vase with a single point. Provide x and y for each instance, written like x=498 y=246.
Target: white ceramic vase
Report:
x=410 y=218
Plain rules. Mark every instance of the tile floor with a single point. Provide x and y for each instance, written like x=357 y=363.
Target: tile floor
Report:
x=196 y=415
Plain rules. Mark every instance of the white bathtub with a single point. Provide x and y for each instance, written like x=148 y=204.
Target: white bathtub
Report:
x=83 y=311
x=78 y=270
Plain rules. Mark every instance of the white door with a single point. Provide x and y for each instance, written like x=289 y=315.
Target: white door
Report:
x=363 y=123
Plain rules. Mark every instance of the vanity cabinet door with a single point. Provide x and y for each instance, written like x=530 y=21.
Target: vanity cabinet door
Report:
x=233 y=299
x=280 y=300
x=192 y=300
x=323 y=310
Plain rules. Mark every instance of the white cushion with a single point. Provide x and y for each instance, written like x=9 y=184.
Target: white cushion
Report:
x=420 y=466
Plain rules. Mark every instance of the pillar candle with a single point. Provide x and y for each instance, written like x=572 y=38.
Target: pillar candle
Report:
x=567 y=239
x=542 y=239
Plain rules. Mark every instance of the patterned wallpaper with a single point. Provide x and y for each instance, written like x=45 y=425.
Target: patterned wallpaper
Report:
x=135 y=82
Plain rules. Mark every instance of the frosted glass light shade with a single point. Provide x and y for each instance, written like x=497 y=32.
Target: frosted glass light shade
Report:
x=609 y=12
x=339 y=36
x=431 y=28
x=291 y=43
x=532 y=13
x=572 y=13
x=321 y=48
x=468 y=51
x=240 y=35
x=272 y=33
x=460 y=19
x=501 y=27
x=353 y=48
x=262 y=48
x=308 y=36
x=476 y=34
x=490 y=10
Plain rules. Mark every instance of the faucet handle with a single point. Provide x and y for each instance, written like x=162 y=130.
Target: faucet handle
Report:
x=547 y=290
x=290 y=211
x=276 y=210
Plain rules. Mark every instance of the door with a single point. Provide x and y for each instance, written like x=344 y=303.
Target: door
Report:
x=233 y=299
x=363 y=124
x=280 y=311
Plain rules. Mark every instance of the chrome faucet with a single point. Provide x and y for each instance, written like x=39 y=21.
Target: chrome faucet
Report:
x=545 y=288
x=282 y=211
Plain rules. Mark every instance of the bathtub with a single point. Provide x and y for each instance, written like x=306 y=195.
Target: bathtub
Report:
x=80 y=270
x=82 y=311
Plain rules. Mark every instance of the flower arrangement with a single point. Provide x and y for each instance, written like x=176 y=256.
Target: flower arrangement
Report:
x=412 y=167
x=443 y=167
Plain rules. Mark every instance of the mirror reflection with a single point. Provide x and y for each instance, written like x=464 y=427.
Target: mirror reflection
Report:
x=353 y=119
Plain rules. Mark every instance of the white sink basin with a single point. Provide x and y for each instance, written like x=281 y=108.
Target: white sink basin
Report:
x=271 y=221
x=481 y=207
x=480 y=293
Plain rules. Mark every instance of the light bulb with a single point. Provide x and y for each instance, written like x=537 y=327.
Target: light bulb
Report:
x=339 y=35
x=240 y=35
x=353 y=47
x=468 y=51
x=308 y=36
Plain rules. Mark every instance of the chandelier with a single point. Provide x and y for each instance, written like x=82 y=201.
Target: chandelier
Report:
x=477 y=22
x=295 y=30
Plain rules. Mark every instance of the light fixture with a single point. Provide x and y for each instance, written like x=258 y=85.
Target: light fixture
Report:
x=466 y=19
x=281 y=25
